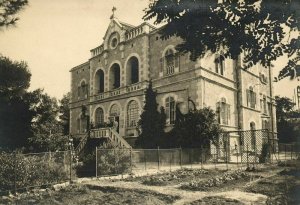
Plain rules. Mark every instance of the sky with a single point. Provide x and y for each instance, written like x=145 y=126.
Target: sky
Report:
x=54 y=36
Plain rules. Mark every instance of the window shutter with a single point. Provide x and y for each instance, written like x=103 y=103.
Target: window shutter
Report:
x=248 y=97
x=162 y=61
x=177 y=59
x=86 y=90
x=218 y=110
x=228 y=113
x=79 y=92
x=254 y=99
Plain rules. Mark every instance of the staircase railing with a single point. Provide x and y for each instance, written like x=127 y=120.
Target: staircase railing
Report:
x=81 y=144
x=117 y=140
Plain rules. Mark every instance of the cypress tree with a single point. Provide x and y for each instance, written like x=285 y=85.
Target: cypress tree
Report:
x=151 y=123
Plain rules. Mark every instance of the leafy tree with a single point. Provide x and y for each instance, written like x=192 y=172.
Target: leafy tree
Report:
x=196 y=128
x=64 y=112
x=47 y=130
x=284 y=107
x=8 y=11
x=264 y=29
x=14 y=79
x=15 y=113
x=152 y=121
x=288 y=120
x=26 y=118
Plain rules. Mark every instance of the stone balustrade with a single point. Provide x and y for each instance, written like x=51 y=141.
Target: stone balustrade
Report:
x=97 y=51
x=100 y=133
x=120 y=91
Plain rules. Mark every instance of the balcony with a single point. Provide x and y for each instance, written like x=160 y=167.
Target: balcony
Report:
x=120 y=91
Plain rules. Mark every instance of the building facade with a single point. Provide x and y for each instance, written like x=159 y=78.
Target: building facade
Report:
x=110 y=85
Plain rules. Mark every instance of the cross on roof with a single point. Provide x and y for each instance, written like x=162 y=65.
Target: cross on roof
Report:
x=113 y=10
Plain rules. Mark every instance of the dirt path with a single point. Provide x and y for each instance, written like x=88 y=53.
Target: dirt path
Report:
x=185 y=196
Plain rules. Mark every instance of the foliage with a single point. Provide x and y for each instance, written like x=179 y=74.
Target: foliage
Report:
x=26 y=117
x=287 y=120
x=152 y=122
x=264 y=29
x=64 y=111
x=15 y=113
x=8 y=10
x=113 y=160
x=196 y=128
x=265 y=153
x=204 y=185
x=32 y=170
x=14 y=79
x=47 y=130
x=87 y=168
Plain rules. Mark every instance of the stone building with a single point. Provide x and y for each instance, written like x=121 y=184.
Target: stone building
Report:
x=111 y=84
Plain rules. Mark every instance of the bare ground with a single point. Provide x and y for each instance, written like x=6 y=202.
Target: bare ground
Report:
x=270 y=184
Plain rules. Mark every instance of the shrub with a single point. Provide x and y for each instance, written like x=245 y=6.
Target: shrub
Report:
x=113 y=161
x=32 y=170
x=265 y=153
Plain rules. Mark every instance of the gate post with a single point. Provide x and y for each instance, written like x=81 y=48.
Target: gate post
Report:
x=96 y=163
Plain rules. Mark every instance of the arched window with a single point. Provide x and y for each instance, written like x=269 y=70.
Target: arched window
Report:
x=114 y=77
x=223 y=112
x=99 y=81
x=170 y=110
x=265 y=124
x=253 y=135
x=82 y=90
x=220 y=64
x=132 y=74
x=99 y=117
x=114 y=110
x=251 y=97
x=170 y=62
x=132 y=113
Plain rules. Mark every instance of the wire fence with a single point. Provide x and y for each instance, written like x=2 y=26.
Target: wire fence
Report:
x=125 y=161
x=20 y=172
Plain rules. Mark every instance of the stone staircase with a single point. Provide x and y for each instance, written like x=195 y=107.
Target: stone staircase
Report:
x=105 y=133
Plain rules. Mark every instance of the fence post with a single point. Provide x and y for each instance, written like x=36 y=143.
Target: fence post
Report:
x=291 y=152
x=247 y=155
x=70 y=165
x=145 y=160
x=201 y=156
x=115 y=160
x=96 y=163
x=15 y=170
x=284 y=152
x=190 y=157
x=158 y=157
x=226 y=150
x=171 y=160
x=255 y=156
x=180 y=157
x=130 y=160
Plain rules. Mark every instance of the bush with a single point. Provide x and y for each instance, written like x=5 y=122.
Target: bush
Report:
x=87 y=168
x=113 y=161
x=32 y=170
x=265 y=153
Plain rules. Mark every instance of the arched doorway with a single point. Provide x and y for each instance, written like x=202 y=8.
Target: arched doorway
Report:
x=132 y=71
x=114 y=77
x=114 y=115
x=99 y=117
